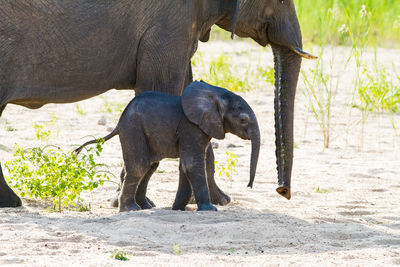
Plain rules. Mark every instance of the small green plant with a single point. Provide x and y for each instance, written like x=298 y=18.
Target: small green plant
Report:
x=42 y=130
x=376 y=93
x=52 y=173
x=177 y=250
x=228 y=168
x=79 y=110
x=119 y=255
x=9 y=128
x=84 y=208
x=320 y=190
x=267 y=74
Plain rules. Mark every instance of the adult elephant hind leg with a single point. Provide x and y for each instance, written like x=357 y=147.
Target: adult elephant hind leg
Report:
x=141 y=198
x=218 y=197
x=8 y=199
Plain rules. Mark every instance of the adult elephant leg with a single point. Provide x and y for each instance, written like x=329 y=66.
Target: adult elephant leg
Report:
x=217 y=196
x=7 y=197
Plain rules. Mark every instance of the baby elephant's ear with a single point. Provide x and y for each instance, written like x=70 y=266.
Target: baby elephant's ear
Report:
x=205 y=106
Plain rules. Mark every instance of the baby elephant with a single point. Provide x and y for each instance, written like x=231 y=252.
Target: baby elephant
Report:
x=155 y=126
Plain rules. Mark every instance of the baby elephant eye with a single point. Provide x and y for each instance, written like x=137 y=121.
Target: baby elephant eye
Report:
x=244 y=118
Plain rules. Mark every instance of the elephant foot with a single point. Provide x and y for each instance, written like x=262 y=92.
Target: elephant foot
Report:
x=145 y=205
x=206 y=206
x=178 y=206
x=129 y=207
x=8 y=199
x=150 y=202
x=115 y=200
x=218 y=197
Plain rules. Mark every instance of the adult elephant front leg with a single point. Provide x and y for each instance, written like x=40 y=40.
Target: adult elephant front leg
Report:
x=7 y=197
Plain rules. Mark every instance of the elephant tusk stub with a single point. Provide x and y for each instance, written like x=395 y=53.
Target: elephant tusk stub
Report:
x=303 y=53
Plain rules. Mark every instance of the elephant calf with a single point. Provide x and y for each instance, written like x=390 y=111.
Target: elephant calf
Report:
x=156 y=125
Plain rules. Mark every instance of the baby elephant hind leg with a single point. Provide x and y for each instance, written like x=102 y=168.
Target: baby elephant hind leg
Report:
x=115 y=200
x=141 y=198
x=127 y=199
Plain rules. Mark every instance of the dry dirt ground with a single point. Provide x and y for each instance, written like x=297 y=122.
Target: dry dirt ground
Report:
x=344 y=209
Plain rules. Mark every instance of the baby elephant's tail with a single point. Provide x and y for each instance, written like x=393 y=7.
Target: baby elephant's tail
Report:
x=95 y=141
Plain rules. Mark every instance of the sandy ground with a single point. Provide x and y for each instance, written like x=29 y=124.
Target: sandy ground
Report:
x=355 y=221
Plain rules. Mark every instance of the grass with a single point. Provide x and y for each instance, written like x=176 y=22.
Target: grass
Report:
x=228 y=168
x=320 y=190
x=267 y=74
x=384 y=16
x=361 y=25
x=79 y=110
x=43 y=131
x=378 y=92
x=9 y=128
x=219 y=72
x=320 y=91
x=113 y=108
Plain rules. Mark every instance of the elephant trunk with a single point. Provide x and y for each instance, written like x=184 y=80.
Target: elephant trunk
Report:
x=255 y=151
x=287 y=67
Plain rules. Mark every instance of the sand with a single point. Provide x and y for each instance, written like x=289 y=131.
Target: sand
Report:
x=344 y=209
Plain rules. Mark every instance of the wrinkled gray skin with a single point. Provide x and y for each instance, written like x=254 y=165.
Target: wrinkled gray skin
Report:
x=155 y=126
x=61 y=51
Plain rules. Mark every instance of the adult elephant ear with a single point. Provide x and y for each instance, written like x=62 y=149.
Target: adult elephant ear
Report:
x=205 y=106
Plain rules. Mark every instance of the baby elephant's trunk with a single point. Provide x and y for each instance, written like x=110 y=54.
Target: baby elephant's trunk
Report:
x=255 y=151
x=95 y=141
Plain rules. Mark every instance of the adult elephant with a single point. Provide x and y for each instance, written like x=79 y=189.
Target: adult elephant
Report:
x=61 y=51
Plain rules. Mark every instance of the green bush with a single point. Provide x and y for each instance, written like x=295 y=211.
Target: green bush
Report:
x=52 y=173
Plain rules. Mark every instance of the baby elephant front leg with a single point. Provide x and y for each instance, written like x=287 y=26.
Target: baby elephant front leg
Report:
x=193 y=165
